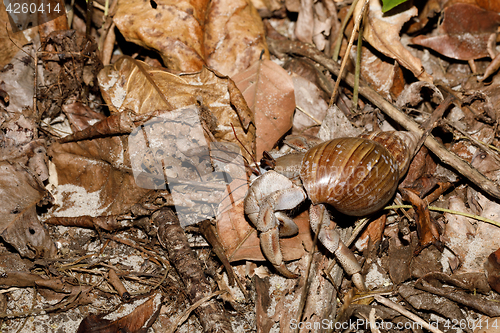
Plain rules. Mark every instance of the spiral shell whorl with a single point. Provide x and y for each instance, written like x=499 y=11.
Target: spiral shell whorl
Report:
x=401 y=145
x=356 y=176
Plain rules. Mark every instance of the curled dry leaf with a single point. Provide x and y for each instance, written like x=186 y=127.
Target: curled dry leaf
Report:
x=132 y=85
x=377 y=72
x=234 y=36
x=312 y=109
x=124 y=320
x=412 y=94
x=492 y=268
x=21 y=191
x=382 y=32
x=427 y=228
x=173 y=28
x=268 y=90
x=314 y=22
x=226 y=35
x=464 y=33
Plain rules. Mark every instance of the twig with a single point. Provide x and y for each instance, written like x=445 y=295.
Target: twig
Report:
x=193 y=307
x=371 y=318
x=357 y=21
x=447 y=157
x=406 y=313
x=357 y=71
x=479 y=143
x=444 y=210
x=338 y=42
x=307 y=284
x=171 y=236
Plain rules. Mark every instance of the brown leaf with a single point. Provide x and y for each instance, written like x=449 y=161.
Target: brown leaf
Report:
x=464 y=32
x=10 y=40
x=93 y=179
x=492 y=267
x=268 y=90
x=427 y=228
x=122 y=320
x=382 y=32
x=226 y=35
x=305 y=22
x=234 y=36
x=377 y=72
x=312 y=109
x=21 y=191
x=132 y=85
x=173 y=28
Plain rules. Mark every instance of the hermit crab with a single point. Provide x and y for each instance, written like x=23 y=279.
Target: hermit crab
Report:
x=355 y=176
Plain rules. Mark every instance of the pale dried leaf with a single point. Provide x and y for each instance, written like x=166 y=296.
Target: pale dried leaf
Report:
x=471 y=244
x=336 y=125
x=234 y=36
x=382 y=32
x=132 y=85
x=21 y=191
x=377 y=72
x=311 y=108
x=464 y=33
x=268 y=90
x=174 y=28
x=304 y=27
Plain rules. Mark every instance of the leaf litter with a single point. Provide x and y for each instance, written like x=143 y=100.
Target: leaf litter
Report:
x=87 y=203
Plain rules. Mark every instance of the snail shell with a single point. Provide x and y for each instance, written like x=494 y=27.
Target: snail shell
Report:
x=356 y=176
x=401 y=145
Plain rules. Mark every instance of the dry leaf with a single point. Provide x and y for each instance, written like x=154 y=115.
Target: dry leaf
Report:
x=492 y=268
x=124 y=320
x=472 y=244
x=93 y=178
x=268 y=90
x=234 y=36
x=21 y=191
x=305 y=22
x=313 y=107
x=227 y=35
x=464 y=32
x=382 y=32
x=173 y=28
x=314 y=22
x=377 y=72
x=132 y=85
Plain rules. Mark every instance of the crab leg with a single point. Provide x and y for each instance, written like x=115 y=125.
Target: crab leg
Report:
x=267 y=224
x=330 y=238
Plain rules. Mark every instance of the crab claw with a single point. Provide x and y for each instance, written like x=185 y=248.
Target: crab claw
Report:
x=267 y=198
x=330 y=238
x=267 y=224
x=270 y=245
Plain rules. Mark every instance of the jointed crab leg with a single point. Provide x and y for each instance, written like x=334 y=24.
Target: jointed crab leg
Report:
x=330 y=238
x=272 y=193
x=268 y=195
